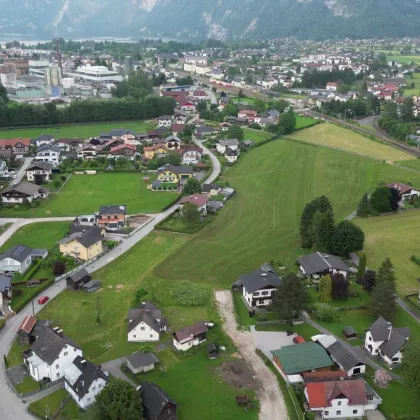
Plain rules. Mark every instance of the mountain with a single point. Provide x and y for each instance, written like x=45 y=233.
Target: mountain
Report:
x=220 y=19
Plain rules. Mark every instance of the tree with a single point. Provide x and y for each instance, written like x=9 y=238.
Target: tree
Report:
x=119 y=400
x=386 y=274
x=192 y=186
x=323 y=230
x=26 y=204
x=259 y=106
x=288 y=121
x=39 y=179
x=394 y=199
x=369 y=280
x=190 y=214
x=291 y=297
x=362 y=268
x=382 y=301
x=339 y=286
x=347 y=238
x=382 y=378
x=306 y=235
x=173 y=158
x=59 y=268
x=241 y=94
x=364 y=207
x=325 y=288
x=380 y=200
x=3 y=94
x=235 y=132
x=411 y=366
x=201 y=106
x=98 y=309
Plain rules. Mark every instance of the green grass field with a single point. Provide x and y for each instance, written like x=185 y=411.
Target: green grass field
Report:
x=416 y=89
x=305 y=122
x=256 y=136
x=404 y=59
x=331 y=135
x=394 y=236
x=76 y=131
x=261 y=222
x=84 y=194
x=247 y=100
x=413 y=164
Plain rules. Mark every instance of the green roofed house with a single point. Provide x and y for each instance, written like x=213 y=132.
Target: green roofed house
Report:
x=293 y=361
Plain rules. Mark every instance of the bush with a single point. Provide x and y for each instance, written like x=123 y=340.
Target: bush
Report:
x=35 y=203
x=32 y=293
x=2 y=323
x=325 y=312
x=415 y=259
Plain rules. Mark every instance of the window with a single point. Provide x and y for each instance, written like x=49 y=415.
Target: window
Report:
x=354 y=411
x=66 y=353
x=57 y=366
x=74 y=349
x=338 y=413
x=339 y=403
x=100 y=386
x=142 y=328
x=265 y=293
x=151 y=335
x=134 y=336
x=88 y=400
x=326 y=413
x=94 y=388
x=58 y=375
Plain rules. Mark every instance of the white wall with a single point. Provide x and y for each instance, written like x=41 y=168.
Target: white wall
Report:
x=142 y=332
x=65 y=358
x=95 y=388
x=189 y=344
x=259 y=294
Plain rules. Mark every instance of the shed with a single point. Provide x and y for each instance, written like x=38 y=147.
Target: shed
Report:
x=212 y=351
x=39 y=254
x=76 y=280
x=141 y=361
x=91 y=286
x=349 y=332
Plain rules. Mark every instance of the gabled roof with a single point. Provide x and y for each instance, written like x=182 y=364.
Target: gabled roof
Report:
x=179 y=170
x=263 y=277
x=52 y=147
x=344 y=357
x=154 y=398
x=204 y=129
x=142 y=358
x=231 y=152
x=123 y=146
x=78 y=275
x=45 y=137
x=229 y=142
x=147 y=313
x=121 y=131
x=395 y=343
x=302 y=357
x=87 y=238
x=197 y=199
x=43 y=166
x=18 y=253
x=113 y=209
x=401 y=188
x=380 y=329
x=188 y=333
x=319 y=262
x=27 y=324
x=25 y=188
x=323 y=376
x=4 y=143
x=208 y=187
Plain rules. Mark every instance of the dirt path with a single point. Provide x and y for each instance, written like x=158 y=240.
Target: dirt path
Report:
x=272 y=406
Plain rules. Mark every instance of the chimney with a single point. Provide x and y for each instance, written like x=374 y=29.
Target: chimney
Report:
x=59 y=333
x=389 y=327
x=83 y=364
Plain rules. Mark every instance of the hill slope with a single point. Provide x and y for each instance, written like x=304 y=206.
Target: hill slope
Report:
x=221 y=19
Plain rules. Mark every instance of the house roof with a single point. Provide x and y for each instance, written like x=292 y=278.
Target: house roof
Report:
x=302 y=357
x=188 y=333
x=204 y=129
x=165 y=117
x=154 y=398
x=344 y=357
x=208 y=187
x=177 y=128
x=45 y=137
x=401 y=188
x=321 y=394
x=17 y=253
x=43 y=166
x=78 y=275
x=319 y=262
x=231 y=152
x=4 y=143
x=25 y=188
x=229 y=142
x=113 y=209
x=121 y=131
x=263 y=277
x=380 y=329
x=123 y=146
x=142 y=358
x=87 y=238
x=147 y=313
x=331 y=375
x=179 y=170
x=53 y=147
x=81 y=374
x=198 y=199
x=395 y=343
x=27 y=324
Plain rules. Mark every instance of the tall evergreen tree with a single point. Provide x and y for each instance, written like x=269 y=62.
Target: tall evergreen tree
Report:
x=323 y=230
x=339 y=286
x=362 y=268
x=364 y=207
x=383 y=301
x=324 y=204
x=325 y=288
x=386 y=274
x=369 y=280
x=347 y=238
x=306 y=235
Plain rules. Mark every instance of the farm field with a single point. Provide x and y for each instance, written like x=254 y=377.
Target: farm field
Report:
x=404 y=59
x=76 y=130
x=304 y=122
x=261 y=222
x=331 y=135
x=413 y=164
x=394 y=236
x=256 y=135
x=84 y=194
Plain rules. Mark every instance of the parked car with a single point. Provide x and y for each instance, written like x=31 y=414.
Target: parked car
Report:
x=298 y=340
x=43 y=299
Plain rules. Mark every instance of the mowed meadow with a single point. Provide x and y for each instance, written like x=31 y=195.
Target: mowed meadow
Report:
x=261 y=222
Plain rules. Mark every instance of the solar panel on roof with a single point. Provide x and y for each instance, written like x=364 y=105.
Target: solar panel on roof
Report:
x=19 y=250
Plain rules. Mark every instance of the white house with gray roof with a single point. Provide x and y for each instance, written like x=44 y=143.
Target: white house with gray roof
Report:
x=16 y=194
x=319 y=264
x=18 y=258
x=48 y=153
x=383 y=339
x=145 y=323
x=259 y=286
x=42 y=169
x=222 y=145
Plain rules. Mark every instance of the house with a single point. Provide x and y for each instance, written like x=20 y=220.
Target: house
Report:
x=50 y=354
x=318 y=264
x=199 y=200
x=124 y=134
x=180 y=118
x=177 y=129
x=222 y=145
x=48 y=153
x=157 y=150
x=4 y=170
x=341 y=399
x=203 y=131
x=406 y=192
x=211 y=189
x=5 y=294
x=112 y=217
x=187 y=337
x=77 y=280
x=342 y=356
x=44 y=139
x=19 y=146
x=174 y=174
x=83 y=245
x=109 y=145
x=39 y=169
x=332 y=86
x=231 y=155
x=25 y=329
x=249 y=114
x=157 y=133
x=293 y=361
x=86 y=152
x=224 y=126
x=190 y=154
x=383 y=339
x=15 y=194
x=156 y=403
x=145 y=323
x=165 y=121
x=84 y=380
x=186 y=105
x=214 y=206
x=141 y=361
x=18 y=258
x=172 y=143
x=67 y=145
x=259 y=286
x=123 y=150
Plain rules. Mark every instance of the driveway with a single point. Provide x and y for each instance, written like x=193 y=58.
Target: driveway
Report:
x=113 y=367
x=21 y=172
x=272 y=404
x=267 y=341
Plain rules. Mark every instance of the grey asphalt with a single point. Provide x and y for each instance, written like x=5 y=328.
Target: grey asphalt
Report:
x=267 y=341
x=113 y=368
x=215 y=162
x=21 y=172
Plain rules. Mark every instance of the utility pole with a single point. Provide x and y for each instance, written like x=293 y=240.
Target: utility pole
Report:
x=33 y=308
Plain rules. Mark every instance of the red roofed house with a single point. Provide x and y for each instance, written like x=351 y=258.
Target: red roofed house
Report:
x=332 y=86
x=25 y=329
x=177 y=128
x=405 y=191
x=175 y=94
x=186 y=105
x=123 y=150
x=247 y=113
x=341 y=399
x=199 y=200
x=17 y=146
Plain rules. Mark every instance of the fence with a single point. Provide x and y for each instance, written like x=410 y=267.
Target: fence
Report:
x=64 y=183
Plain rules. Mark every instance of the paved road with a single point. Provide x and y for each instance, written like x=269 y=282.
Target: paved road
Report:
x=272 y=405
x=215 y=162
x=21 y=172
x=212 y=96
x=113 y=368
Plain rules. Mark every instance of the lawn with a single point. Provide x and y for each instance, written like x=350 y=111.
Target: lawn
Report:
x=413 y=164
x=247 y=100
x=305 y=122
x=274 y=182
x=394 y=236
x=416 y=80
x=336 y=137
x=404 y=59
x=256 y=136
x=84 y=194
x=14 y=357
x=27 y=385
x=79 y=131
x=52 y=403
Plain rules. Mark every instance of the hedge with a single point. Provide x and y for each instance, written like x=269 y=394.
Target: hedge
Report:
x=415 y=259
x=33 y=292
x=170 y=204
x=2 y=323
x=29 y=274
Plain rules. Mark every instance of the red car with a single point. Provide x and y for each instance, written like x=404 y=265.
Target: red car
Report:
x=298 y=340
x=43 y=299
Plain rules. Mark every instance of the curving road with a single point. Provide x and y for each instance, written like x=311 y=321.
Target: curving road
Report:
x=13 y=407
x=216 y=167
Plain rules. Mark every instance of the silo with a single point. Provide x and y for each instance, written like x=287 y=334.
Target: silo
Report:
x=128 y=65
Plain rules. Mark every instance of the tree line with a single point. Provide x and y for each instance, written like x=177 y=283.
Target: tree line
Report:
x=318 y=79
x=383 y=200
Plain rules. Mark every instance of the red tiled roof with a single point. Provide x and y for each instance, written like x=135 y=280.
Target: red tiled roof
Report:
x=247 y=112
x=320 y=394
x=123 y=146
x=27 y=324
x=178 y=128
x=198 y=199
x=13 y=142
x=332 y=84
x=401 y=188
x=332 y=375
x=155 y=147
